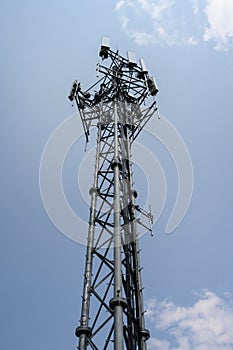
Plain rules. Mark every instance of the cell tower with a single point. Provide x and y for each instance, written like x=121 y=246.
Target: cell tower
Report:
x=119 y=105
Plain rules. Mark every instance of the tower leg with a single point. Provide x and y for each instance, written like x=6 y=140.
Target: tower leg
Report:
x=83 y=331
x=118 y=307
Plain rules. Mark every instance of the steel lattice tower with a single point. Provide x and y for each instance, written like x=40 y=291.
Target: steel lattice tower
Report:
x=119 y=105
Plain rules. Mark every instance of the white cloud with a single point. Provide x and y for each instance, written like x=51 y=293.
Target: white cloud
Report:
x=195 y=6
x=119 y=4
x=166 y=22
x=219 y=14
x=141 y=38
x=153 y=22
x=156 y=9
x=192 y=41
x=124 y=21
x=159 y=344
x=208 y=324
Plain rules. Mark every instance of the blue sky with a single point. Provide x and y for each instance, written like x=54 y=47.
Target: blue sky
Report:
x=187 y=275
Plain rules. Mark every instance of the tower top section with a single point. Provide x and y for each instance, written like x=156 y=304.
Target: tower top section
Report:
x=120 y=80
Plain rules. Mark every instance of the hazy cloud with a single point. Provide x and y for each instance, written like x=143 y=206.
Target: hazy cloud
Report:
x=195 y=6
x=219 y=14
x=208 y=324
x=167 y=22
x=153 y=22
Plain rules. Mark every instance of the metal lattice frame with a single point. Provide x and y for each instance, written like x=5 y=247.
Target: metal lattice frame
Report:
x=112 y=306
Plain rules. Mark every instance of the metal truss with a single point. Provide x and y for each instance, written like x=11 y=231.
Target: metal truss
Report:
x=112 y=315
